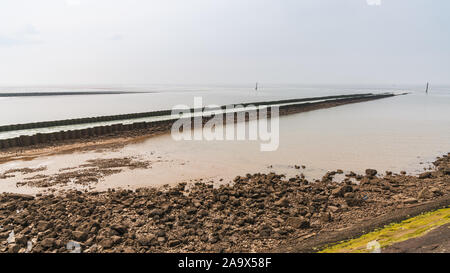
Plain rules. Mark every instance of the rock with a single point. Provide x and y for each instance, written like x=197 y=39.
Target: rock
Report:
x=204 y=238
x=161 y=239
x=425 y=175
x=353 y=201
x=445 y=171
x=297 y=222
x=43 y=226
x=160 y=233
x=371 y=172
x=302 y=211
x=48 y=242
x=173 y=243
x=249 y=219
x=13 y=248
x=223 y=198
x=336 y=192
x=155 y=212
x=264 y=233
x=121 y=229
x=349 y=195
x=203 y=213
x=146 y=240
x=333 y=209
x=106 y=243
x=283 y=202
x=410 y=201
x=340 y=191
x=265 y=230
x=424 y=194
x=213 y=239
x=92 y=249
x=22 y=240
x=79 y=236
x=20 y=196
x=191 y=210
x=435 y=191
x=116 y=239
x=325 y=217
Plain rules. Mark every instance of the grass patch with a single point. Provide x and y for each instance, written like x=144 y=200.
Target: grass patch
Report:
x=394 y=233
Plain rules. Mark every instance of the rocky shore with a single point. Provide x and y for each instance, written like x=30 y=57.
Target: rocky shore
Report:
x=254 y=213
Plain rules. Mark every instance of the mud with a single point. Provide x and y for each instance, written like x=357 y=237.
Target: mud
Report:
x=85 y=174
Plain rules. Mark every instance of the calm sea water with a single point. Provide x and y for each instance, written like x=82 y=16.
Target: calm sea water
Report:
x=398 y=133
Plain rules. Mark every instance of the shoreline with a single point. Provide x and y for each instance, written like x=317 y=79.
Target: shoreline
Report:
x=256 y=213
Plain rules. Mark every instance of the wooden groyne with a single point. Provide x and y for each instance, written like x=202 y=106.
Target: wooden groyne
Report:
x=141 y=128
x=66 y=93
x=77 y=121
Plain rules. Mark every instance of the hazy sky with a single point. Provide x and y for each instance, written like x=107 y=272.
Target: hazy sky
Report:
x=224 y=41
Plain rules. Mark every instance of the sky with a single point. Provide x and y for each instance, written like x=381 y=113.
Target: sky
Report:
x=49 y=42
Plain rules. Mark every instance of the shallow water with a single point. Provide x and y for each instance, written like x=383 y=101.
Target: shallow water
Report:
x=399 y=133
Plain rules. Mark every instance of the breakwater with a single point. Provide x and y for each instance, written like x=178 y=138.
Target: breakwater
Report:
x=45 y=124
x=140 y=128
x=68 y=93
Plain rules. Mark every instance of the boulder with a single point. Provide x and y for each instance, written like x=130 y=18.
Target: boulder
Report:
x=48 y=242
x=155 y=212
x=106 y=243
x=340 y=191
x=298 y=222
x=79 y=236
x=119 y=228
x=173 y=243
x=13 y=248
x=283 y=202
x=410 y=201
x=371 y=172
x=43 y=225
x=325 y=217
x=424 y=194
x=425 y=175
x=146 y=240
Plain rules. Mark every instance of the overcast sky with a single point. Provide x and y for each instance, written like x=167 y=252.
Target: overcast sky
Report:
x=224 y=41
